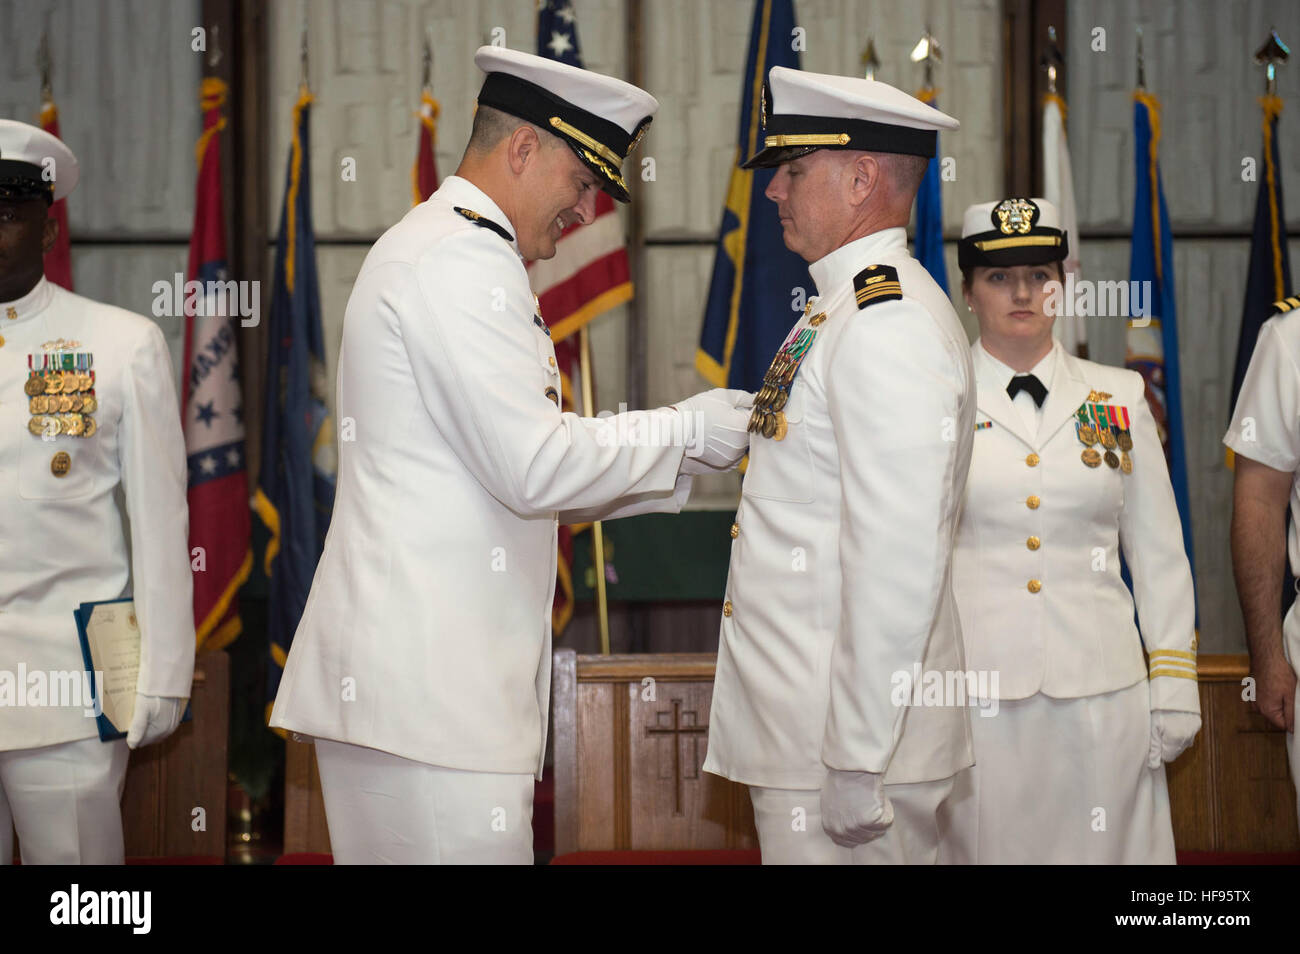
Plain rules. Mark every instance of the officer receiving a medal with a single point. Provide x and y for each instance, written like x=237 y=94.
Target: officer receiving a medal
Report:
x=422 y=662
x=860 y=439
x=1067 y=474
x=87 y=408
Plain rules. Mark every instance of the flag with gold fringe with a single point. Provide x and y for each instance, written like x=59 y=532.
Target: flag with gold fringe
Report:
x=1152 y=348
x=424 y=174
x=295 y=494
x=211 y=402
x=758 y=286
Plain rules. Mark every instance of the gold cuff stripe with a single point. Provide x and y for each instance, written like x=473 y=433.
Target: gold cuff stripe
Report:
x=599 y=148
x=1176 y=653
x=992 y=245
x=808 y=139
x=1173 y=672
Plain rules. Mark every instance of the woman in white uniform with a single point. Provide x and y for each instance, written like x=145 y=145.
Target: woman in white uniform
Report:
x=1067 y=474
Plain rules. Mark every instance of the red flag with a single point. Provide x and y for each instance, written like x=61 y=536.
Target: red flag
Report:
x=424 y=174
x=210 y=412
x=58 y=260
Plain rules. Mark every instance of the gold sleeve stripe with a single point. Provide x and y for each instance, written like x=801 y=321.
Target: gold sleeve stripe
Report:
x=1179 y=673
x=1176 y=653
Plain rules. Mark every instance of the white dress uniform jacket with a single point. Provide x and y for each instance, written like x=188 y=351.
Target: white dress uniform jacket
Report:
x=839 y=575
x=427 y=633
x=1037 y=564
x=64 y=540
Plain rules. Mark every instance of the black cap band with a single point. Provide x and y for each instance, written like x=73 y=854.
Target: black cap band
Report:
x=996 y=249
x=23 y=180
x=785 y=132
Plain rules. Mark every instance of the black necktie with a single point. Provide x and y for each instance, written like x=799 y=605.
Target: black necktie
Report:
x=1030 y=383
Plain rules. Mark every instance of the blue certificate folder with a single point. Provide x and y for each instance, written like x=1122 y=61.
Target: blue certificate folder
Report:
x=107 y=730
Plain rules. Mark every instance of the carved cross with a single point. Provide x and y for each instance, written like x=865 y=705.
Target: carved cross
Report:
x=692 y=731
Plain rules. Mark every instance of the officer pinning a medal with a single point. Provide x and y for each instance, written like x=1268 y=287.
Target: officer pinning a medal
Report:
x=87 y=406
x=838 y=578
x=432 y=598
x=1067 y=474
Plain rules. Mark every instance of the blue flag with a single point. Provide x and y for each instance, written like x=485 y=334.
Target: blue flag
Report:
x=1153 y=350
x=753 y=295
x=927 y=244
x=1269 y=277
x=295 y=493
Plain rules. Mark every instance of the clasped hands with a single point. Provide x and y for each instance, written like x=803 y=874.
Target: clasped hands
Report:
x=715 y=430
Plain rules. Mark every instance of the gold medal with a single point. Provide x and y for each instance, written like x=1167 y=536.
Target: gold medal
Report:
x=77 y=402
x=37 y=404
x=1088 y=434
x=89 y=405
x=88 y=429
x=1125 y=441
x=83 y=381
x=781 y=397
x=73 y=424
x=65 y=402
x=769 y=425
x=755 y=420
x=61 y=464
x=1125 y=462
x=34 y=386
x=53 y=383
x=1091 y=457
x=782 y=428
x=36 y=425
x=1111 y=460
x=1108 y=440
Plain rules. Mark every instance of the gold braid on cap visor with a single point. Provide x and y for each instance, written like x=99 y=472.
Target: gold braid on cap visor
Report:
x=808 y=139
x=992 y=245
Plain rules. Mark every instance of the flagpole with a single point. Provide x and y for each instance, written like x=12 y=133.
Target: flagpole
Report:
x=597 y=533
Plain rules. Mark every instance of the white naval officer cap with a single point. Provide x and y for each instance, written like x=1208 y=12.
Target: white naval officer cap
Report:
x=34 y=164
x=1013 y=231
x=600 y=117
x=803 y=112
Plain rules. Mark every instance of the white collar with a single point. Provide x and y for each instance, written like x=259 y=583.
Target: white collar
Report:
x=31 y=304
x=832 y=270
x=458 y=191
x=1001 y=374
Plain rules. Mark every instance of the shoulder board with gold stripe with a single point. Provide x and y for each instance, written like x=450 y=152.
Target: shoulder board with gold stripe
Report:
x=1286 y=304
x=877 y=283
x=483 y=222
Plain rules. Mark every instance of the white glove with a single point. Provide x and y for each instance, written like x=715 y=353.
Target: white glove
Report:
x=1171 y=733
x=855 y=808
x=715 y=427
x=155 y=718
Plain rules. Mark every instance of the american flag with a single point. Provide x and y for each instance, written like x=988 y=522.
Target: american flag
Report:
x=588 y=276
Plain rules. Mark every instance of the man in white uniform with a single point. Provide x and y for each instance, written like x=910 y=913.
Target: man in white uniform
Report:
x=1265 y=438
x=87 y=403
x=839 y=577
x=422 y=662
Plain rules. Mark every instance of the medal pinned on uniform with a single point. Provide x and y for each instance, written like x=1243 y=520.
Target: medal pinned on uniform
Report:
x=1091 y=457
x=768 y=418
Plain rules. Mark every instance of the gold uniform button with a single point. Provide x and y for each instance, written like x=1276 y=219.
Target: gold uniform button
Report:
x=551 y=362
x=1032 y=460
x=61 y=464
x=735 y=530
x=1033 y=543
x=726 y=608
x=1032 y=501
x=1035 y=586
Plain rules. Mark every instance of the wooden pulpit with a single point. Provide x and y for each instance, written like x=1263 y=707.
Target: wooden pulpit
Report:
x=630 y=734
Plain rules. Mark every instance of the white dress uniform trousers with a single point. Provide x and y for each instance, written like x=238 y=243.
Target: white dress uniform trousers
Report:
x=839 y=574
x=1061 y=737
x=1270 y=395
x=64 y=545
